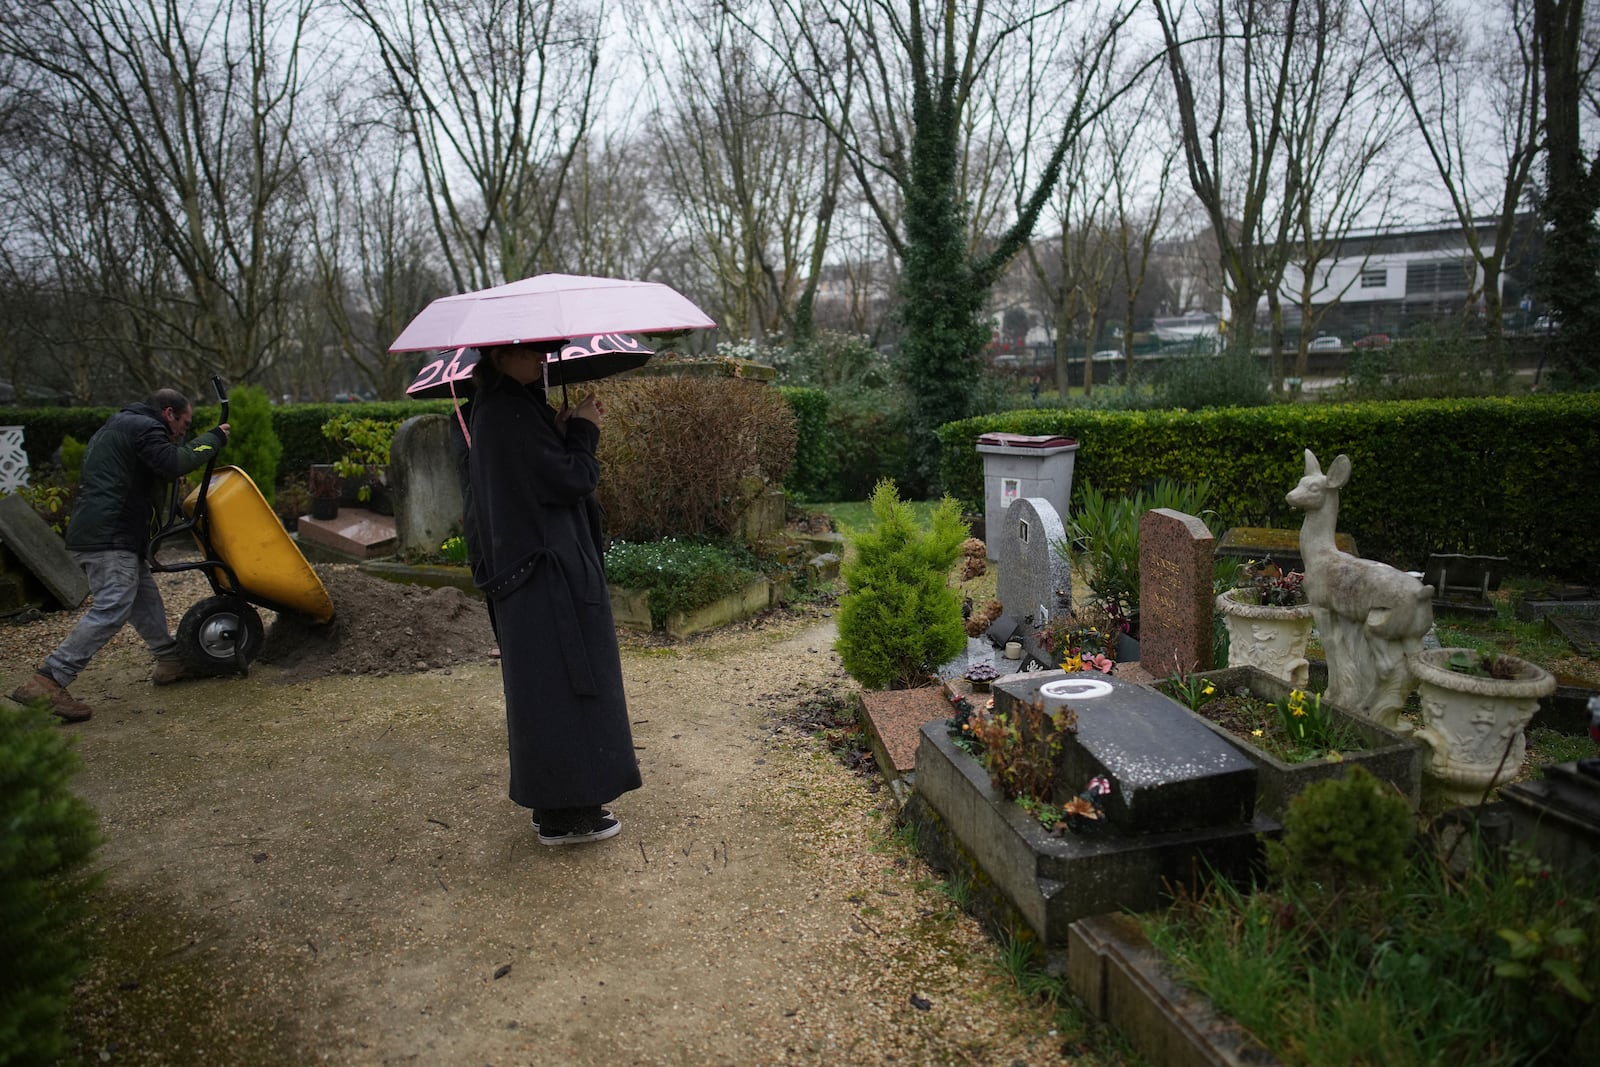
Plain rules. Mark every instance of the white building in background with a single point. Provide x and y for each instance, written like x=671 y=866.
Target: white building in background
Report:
x=1391 y=281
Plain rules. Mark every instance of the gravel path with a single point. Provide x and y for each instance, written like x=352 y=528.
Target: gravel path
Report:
x=304 y=865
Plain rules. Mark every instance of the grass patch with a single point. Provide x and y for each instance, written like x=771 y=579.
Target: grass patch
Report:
x=1494 y=966
x=851 y=517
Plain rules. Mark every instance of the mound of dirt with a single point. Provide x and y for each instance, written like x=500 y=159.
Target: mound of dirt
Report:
x=380 y=627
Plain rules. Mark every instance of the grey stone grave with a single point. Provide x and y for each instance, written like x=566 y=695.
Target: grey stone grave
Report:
x=1034 y=582
x=37 y=549
x=1182 y=804
x=427 y=485
x=1175 y=598
x=1558 y=815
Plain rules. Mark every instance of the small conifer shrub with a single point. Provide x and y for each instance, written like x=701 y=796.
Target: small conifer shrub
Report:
x=1343 y=834
x=47 y=837
x=899 y=618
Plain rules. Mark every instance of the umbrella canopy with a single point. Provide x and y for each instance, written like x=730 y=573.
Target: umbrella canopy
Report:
x=582 y=360
x=549 y=307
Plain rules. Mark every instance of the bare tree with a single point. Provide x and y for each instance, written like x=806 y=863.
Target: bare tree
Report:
x=1473 y=93
x=910 y=91
x=174 y=126
x=754 y=183
x=1232 y=133
x=1341 y=126
x=497 y=99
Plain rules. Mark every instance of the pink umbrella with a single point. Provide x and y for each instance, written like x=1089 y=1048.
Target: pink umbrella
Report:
x=583 y=360
x=550 y=307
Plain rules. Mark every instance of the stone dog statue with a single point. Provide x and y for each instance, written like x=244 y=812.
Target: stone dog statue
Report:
x=1369 y=615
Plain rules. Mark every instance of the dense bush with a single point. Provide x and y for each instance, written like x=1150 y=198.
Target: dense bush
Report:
x=680 y=575
x=44 y=429
x=253 y=444
x=676 y=453
x=1233 y=378
x=899 y=619
x=47 y=837
x=816 y=462
x=1494 y=476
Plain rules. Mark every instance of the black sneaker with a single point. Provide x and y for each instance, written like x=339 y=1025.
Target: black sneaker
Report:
x=605 y=813
x=595 y=828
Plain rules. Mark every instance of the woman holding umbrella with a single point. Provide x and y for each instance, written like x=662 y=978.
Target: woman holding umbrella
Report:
x=533 y=474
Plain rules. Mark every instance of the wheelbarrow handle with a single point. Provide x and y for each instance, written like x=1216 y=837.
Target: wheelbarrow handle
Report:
x=222 y=396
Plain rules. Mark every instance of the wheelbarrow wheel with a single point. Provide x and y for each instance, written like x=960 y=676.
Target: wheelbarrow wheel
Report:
x=220 y=635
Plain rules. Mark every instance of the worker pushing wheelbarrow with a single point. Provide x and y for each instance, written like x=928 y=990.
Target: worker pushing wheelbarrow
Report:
x=250 y=560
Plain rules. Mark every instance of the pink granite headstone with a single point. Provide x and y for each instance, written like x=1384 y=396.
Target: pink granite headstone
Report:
x=1175 y=598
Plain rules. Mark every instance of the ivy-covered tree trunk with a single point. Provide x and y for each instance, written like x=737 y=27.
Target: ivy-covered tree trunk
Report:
x=1569 y=269
x=940 y=349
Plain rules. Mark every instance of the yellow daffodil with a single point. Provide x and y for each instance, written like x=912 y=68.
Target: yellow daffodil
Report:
x=1257 y=733
x=1208 y=690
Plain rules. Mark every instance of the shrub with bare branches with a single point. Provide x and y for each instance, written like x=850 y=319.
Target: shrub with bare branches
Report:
x=677 y=453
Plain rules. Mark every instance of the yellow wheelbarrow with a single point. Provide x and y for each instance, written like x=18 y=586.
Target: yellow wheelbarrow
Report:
x=248 y=557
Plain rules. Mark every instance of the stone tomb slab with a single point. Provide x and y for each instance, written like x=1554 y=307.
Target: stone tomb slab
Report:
x=1034 y=581
x=36 y=546
x=355 y=533
x=1168 y=771
x=895 y=718
x=1052 y=880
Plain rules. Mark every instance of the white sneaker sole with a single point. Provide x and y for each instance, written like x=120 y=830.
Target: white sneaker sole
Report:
x=583 y=839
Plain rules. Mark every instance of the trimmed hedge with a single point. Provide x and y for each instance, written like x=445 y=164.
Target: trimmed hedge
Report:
x=1494 y=475
x=815 y=465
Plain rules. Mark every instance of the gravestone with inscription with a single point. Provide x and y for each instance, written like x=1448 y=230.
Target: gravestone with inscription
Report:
x=1035 y=582
x=1175 y=596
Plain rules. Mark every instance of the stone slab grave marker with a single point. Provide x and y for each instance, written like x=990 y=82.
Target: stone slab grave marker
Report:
x=36 y=546
x=427 y=485
x=1034 y=583
x=1168 y=771
x=1175 y=598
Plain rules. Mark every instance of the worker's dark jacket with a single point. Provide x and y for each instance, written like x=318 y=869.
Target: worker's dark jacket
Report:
x=129 y=462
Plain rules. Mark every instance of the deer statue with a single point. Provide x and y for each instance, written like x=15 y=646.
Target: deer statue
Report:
x=1369 y=615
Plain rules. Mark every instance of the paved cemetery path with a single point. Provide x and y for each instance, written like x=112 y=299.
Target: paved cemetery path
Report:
x=330 y=870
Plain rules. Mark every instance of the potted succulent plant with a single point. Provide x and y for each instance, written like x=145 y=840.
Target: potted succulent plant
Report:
x=1269 y=622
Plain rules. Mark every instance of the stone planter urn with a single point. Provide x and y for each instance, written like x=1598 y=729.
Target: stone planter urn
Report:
x=1269 y=637
x=1473 y=723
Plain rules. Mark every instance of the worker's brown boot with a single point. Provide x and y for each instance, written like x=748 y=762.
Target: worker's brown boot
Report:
x=167 y=671
x=62 y=703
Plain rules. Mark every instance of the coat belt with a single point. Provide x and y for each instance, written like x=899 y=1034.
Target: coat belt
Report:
x=563 y=612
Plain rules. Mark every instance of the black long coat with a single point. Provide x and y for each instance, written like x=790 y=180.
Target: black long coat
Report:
x=537 y=527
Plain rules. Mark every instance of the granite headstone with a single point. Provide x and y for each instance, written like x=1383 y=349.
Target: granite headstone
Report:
x=36 y=546
x=1034 y=582
x=1175 y=597
x=427 y=485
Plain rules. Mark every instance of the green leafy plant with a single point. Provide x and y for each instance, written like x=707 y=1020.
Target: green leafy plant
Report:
x=454 y=549
x=48 y=836
x=1307 y=723
x=680 y=575
x=898 y=619
x=1483 y=664
x=1342 y=834
x=1190 y=689
x=52 y=503
x=1102 y=543
x=363 y=448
